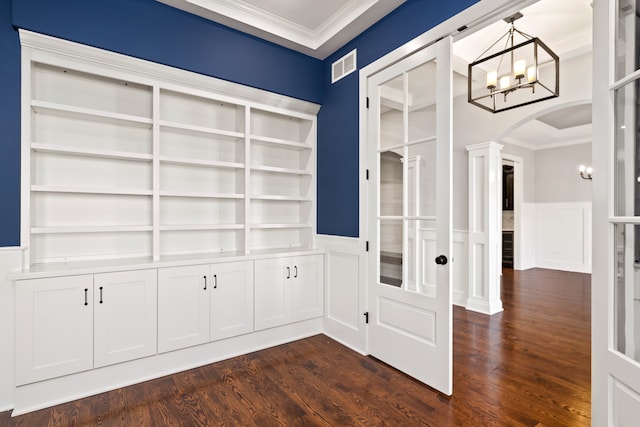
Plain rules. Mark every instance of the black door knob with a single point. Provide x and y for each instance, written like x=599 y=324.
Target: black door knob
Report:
x=441 y=260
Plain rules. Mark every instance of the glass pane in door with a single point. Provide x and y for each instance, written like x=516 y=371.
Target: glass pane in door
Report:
x=627 y=291
x=422 y=103
x=421 y=221
x=627 y=36
x=626 y=165
x=421 y=179
x=391 y=181
x=407 y=176
x=392 y=96
x=391 y=257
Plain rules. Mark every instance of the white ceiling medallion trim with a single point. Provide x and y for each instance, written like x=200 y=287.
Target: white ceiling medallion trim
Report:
x=343 y=24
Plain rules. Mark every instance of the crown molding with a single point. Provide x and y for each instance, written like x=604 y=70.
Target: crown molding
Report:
x=348 y=21
x=42 y=48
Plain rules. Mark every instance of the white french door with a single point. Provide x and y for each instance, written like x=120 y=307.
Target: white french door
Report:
x=616 y=214
x=409 y=215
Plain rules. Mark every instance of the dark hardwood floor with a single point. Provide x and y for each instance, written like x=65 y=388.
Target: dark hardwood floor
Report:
x=527 y=366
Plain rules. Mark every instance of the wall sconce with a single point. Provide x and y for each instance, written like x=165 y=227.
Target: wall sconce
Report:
x=585 y=171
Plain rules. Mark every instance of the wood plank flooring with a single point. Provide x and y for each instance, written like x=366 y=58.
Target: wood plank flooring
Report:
x=527 y=366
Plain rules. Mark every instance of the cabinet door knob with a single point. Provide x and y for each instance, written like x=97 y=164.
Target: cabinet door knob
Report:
x=295 y=271
x=86 y=293
x=100 y=294
x=215 y=281
x=288 y=273
x=205 y=283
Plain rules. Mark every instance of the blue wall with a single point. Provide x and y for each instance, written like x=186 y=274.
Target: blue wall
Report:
x=153 y=31
x=9 y=129
x=338 y=127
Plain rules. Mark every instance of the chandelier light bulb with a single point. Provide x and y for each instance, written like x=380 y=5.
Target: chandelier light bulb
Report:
x=492 y=79
x=505 y=82
x=519 y=68
x=531 y=74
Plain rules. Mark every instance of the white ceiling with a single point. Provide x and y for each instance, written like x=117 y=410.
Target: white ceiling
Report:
x=314 y=27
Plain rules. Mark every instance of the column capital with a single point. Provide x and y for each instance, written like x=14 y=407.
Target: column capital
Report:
x=484 y=146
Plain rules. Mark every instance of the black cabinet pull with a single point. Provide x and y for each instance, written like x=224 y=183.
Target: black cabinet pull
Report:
x=86 y=292
x=205 y=283
x=100 y=294
x=288 y=273
x=215 y=281
x=295 y=270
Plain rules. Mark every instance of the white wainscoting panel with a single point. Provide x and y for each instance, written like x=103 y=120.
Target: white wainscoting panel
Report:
x=10 y=261
x=563 y=236
x=345 y=290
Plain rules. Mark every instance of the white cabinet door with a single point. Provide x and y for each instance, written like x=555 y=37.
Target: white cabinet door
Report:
x=307 y=293
x=125 y=316
x=54 y=327
x=288 y=290
x=183 y=306
x=272 y=293
x=231 y=299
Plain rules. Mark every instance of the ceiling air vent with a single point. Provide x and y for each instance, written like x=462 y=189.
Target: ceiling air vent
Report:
x=343 y=66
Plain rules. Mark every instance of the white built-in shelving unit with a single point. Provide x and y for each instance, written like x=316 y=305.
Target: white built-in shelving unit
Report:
x=168 y=221
x=119 y=163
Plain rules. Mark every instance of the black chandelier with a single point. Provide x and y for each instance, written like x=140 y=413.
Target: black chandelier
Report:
x=520 y=74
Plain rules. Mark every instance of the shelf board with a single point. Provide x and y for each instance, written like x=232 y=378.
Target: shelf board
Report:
x=203 y=163
x=273 y=226
x=90 y=229
x=426 y=139
x=197 y=227
x=88 y=190
x=272 y=169
x=201 y=129
x=201 y=195
x=98 y=115
x=73 y=151
x=282 y=142
x=282 y=198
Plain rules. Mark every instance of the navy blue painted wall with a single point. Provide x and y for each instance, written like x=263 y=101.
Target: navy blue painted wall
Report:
x=145 y=29
x=338 y=128
x=9 y=129
x=150 y=30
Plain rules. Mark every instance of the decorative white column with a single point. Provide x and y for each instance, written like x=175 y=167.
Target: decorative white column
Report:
x=485 y=227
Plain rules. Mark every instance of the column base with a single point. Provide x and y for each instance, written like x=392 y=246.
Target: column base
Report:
x=484 y=306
